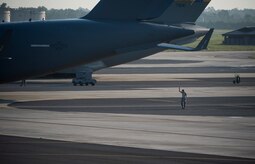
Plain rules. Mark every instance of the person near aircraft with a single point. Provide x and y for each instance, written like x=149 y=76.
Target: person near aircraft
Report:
x=184 y=98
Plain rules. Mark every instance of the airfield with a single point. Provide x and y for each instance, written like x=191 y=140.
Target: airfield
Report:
x=133 y=114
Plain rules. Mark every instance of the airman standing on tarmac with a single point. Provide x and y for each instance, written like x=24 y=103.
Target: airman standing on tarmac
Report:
x=184 y=98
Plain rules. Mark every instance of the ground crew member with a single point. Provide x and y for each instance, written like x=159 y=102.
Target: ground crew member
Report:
x=184 y=98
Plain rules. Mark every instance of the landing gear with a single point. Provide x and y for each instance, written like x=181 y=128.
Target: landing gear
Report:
x=84 y=78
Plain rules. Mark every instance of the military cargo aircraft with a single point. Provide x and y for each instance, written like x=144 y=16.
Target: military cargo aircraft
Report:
x=114 y=31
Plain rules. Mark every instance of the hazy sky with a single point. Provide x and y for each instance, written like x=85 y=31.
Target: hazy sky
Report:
x=218 y=4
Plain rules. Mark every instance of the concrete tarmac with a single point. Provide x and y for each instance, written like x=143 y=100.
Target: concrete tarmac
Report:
x=133 y=115
x=28 y=150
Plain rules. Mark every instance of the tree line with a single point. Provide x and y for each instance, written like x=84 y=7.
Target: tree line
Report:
x=227 y=19
x=219 y=19
x=50 y=13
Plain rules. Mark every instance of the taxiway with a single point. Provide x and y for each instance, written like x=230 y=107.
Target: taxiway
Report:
x=134 y=114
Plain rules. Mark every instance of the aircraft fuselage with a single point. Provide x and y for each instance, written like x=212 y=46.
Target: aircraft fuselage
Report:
x=39 y=48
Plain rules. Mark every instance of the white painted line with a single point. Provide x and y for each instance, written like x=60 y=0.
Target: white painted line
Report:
x=236 y=117
x=138 y=93
x=40 y=45
x=8 y=58
x=168 y=76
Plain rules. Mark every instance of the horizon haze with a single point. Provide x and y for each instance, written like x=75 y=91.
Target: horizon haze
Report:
x=89 y=4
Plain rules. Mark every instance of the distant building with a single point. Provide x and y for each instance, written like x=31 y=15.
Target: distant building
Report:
x=243 y=36
x=27 y=14
x=15 y=15
x=5 y=15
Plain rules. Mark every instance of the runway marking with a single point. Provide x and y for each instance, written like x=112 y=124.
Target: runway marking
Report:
x=137 y=93
x=166 y=101
x=176 y=104
x=133 y=156
x=120 y=116
x=167 y=77
x=102 y=106
x=126 y=129
x=77 y=142
x=236 y=117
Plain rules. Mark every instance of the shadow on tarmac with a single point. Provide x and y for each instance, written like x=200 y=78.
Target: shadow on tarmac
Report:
x=40 y=151
x=2 y=101
x=214 y=106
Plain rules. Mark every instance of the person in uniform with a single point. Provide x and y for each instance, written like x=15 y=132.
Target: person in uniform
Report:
x=184 y=98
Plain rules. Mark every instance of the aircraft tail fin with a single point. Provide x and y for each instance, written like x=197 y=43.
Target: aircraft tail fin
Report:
x=128 y=9
x=157 y=11
x=182 y=11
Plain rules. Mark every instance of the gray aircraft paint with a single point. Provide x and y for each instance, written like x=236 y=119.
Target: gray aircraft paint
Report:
x=73 y=42
x=172 y=15
x=129 y=10
x=182 y=11
x=33 y=49
x=139 y=53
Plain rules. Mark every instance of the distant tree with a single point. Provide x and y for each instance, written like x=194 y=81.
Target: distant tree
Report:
x=66 y=13
x=224 y=15
x=42 y=8
x=248 y=18
x=227 y=19
x=221 y=19
x=4 y=6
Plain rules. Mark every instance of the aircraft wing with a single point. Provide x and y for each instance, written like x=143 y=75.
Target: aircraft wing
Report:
x=201 y=46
